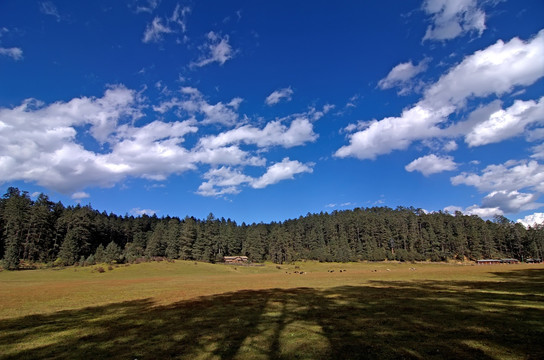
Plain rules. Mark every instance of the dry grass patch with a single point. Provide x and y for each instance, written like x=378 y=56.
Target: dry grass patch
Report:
x=182 y=310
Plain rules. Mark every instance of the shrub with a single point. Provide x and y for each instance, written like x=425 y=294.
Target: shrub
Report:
x=100 y=269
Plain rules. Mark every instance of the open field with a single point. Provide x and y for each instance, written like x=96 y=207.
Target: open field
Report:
x=199 y=310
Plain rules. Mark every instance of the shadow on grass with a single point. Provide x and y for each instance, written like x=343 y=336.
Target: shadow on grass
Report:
x=380 y=320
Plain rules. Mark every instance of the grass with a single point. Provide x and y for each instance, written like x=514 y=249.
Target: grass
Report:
x=205 y=311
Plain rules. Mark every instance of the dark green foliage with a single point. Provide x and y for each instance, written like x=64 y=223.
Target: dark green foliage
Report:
x=43 y=231
x=112 y=253
x=99 y=255
x=69 y=251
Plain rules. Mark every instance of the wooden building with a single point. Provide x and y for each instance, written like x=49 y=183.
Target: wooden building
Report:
x=235 y=259
x=495 y=262
x=509 y=261
x=488 y=262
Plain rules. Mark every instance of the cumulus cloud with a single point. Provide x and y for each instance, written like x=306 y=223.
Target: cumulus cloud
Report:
x=217 y=49
x=15 y=53
x=278 y=95
x=538 y=151
x=510 y=176
x=483 y=212
x=286 y=169
x=505 y=183
x=80 y=195
x=41 y=143
x=496 y=70
x=38 y=143
x=450 y=146
x=453 y=18
x=140 y=212
x=532 y=220
x=223 y=181
x=504 y=124
x=194 y=103
x=431 y=164
x=275 y=133
x=401 y=76
x=511 y=202
x=226 y=180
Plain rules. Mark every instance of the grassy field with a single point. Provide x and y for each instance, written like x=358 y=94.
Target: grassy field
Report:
x=204 y=311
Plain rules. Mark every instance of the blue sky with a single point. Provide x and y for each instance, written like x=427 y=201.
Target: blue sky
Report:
x=265 y=111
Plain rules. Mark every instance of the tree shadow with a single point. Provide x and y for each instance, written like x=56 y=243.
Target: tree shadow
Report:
x=383 y=320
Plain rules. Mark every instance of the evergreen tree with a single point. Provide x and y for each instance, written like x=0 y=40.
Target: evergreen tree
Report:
x=187 y=238
x=99 y=255
x=15 y=219
x=69 y=250
x=112 y=253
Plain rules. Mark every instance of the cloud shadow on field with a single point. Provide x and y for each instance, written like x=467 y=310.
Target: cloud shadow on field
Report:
x=380 y=320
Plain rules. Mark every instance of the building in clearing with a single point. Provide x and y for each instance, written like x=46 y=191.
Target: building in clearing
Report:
x=494 y=262
x=235 y=259
x=509 y=261
x=487 y=262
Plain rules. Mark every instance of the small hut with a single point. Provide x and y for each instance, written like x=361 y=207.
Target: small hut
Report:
x=488 y=262
x=509 y=261
x=235 y=259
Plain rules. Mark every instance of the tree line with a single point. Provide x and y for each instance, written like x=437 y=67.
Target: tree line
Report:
x=41 y=231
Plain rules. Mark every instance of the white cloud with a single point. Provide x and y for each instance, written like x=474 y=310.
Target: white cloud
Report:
x=275 y=133
x=511 y=202
x=80 y=195
x=504 y=183
x=14 y=52
x=41 y=143
x=504 y=124
x=179 y=16
x=48 y=8
x=450 y=146
x=431 y=164
x=38 y=143
x=140 y=212
x=392 y=133
x=278 y=95
x=497 y=70
x=532 y=220
x=227 y=155
x=154 y=32
x=483 y=212
x=510 y=176
x=217 y=49
x=194 y=103
x=226 y=180
x=401 y=76
x=452 y=18
x=286 y=169
x=147 y=6
x=222 y=181
x=538 y=151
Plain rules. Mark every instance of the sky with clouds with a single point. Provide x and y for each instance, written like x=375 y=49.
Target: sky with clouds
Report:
x=265 y=111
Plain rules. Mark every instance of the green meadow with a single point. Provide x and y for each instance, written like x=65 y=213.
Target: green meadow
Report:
x=194 y=310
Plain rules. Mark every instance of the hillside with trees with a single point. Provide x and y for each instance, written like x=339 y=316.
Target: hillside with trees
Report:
x=46 y=232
